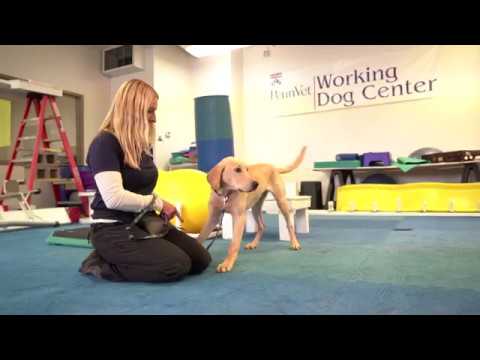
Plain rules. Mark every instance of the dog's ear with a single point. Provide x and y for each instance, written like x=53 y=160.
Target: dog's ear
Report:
x=214 y=176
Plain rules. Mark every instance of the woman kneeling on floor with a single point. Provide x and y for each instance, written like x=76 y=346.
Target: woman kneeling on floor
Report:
x=120 y=158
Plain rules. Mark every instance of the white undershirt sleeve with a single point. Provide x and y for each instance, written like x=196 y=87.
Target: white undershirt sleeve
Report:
x=115 y=197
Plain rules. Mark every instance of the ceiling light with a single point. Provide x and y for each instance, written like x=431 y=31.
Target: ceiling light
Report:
x=210 y=50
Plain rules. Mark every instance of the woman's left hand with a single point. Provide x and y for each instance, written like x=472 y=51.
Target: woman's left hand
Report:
x=170 y=211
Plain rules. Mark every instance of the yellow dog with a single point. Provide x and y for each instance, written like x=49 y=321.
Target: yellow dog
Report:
x=237 y=188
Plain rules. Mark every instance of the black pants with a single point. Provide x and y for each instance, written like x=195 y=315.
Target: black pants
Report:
x=151 y=260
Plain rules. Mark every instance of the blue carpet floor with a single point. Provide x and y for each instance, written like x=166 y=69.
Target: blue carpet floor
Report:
x=346 y=266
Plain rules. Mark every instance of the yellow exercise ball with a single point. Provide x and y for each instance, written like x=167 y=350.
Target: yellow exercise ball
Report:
x=190 y=189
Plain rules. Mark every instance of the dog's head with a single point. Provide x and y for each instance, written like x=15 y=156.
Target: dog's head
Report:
x=231 y=175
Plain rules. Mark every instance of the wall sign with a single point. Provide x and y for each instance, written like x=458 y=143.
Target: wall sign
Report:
x=393 y=77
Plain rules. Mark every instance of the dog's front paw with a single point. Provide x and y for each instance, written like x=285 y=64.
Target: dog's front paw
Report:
x=225 y=266
x=251 y=245
x=295 y=246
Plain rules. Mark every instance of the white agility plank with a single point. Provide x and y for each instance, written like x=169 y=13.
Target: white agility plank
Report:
x=46 y=214
x=299 y=216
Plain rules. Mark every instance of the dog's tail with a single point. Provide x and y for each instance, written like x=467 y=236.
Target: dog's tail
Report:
x=295 y=164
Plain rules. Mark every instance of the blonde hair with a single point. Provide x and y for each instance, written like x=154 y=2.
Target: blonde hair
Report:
x=127 y=119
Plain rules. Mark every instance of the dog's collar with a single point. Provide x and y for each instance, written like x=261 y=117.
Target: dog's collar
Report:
x=225 y=197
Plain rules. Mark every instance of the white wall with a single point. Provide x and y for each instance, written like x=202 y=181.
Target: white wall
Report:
x=237 y=102
x=212 y=75
x=173 y=80
x=66 y=104
x=179 y=79
x=169 y=70
x=223 y=75
x=448 y=122
x=72 y=68
x=400 y=128
x=145 y=75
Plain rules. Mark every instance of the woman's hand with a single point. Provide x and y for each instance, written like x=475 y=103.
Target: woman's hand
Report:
x=169 y=211
x=165 y=209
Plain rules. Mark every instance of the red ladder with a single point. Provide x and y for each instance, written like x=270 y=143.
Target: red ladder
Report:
x=42 y=146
